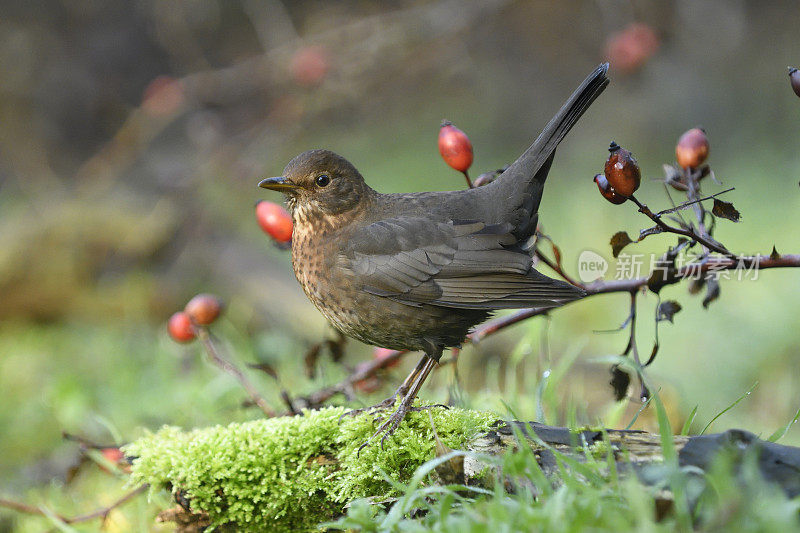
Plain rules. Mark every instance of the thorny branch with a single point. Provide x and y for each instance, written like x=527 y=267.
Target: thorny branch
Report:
x=700 y=236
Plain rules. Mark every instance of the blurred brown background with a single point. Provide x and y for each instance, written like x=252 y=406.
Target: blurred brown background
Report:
x=133 y=134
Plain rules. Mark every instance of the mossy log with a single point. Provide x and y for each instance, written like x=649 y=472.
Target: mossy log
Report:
x=292 y=473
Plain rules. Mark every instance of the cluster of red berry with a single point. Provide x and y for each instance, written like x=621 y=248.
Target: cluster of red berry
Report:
x=202 y=310
x=621 y=176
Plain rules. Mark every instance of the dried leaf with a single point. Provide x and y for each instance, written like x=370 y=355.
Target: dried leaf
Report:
x=620 y=380
x=619 y=241
x=663 y=273
x=774 y=254
x=712 y=291
x=725 y=210
x=667 y=310
x=696 y=285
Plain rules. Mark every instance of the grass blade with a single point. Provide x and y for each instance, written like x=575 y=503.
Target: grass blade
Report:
x=689 y=420
x=731 y=406
x=779 y=433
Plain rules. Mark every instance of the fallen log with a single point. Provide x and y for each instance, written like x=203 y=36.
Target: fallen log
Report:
x=291 y=473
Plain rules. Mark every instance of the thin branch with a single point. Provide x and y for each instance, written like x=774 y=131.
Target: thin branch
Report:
x=493 y=326
x=711 y=264
x=698 y=237
x=632 y=340
x=556 y=268
x=693 y=193
x=684 y=205
x=364 y=371
x=100 y=513
x=227 y=366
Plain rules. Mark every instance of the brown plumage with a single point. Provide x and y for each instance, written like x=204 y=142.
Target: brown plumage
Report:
x=416 y=271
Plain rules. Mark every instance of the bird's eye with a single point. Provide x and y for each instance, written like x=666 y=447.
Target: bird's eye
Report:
x=322 y=180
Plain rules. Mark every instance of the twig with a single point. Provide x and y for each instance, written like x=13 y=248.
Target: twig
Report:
x=100 y=513
x=680 y=231
x=711 y=264
x=684 y=205
x=693 y=192
x=227 y=366
x=363 y=372
x=556 y=268
x=493 y=326
x=554 y=264
x=632 y=340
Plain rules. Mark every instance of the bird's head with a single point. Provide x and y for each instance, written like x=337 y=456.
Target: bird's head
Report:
x=320 y=182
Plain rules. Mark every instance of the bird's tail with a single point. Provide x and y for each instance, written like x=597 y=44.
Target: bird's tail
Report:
x=525 y=178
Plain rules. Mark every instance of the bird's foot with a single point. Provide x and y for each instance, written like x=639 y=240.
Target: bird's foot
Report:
x=416 y=409
x=393 y=421
x=380 y=406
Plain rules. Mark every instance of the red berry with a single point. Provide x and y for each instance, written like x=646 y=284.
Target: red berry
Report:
x=607 y=190
x=116 y=457
x=455 y=147
x=622 y=171
x=274 y=220
x=203 y=309
x=629 y=49
x=180 y=327
x=692 y=148
x=380 y=353
x=113 y=455
x=309 y=66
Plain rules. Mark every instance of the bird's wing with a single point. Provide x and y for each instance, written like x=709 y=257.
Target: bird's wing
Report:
x=459 y=264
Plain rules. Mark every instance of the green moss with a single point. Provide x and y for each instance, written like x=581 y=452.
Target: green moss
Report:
x=292 y=473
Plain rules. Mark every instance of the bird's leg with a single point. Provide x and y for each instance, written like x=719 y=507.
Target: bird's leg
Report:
x=401 y=391
x=406 y=404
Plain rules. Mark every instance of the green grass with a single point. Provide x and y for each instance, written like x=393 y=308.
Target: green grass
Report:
x=590 y=495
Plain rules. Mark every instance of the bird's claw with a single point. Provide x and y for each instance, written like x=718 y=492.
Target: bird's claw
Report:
x=385 y=404
x=416 y=409
x=393 y=422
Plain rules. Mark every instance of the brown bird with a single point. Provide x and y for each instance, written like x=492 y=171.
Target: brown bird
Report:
x=416 y=271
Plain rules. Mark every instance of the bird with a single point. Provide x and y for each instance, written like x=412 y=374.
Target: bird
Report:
x=416 y=271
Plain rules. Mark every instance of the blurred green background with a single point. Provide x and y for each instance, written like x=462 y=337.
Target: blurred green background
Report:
x=133 y=133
